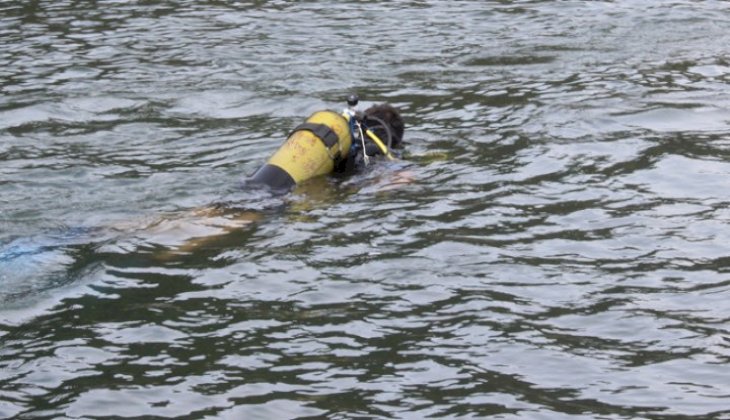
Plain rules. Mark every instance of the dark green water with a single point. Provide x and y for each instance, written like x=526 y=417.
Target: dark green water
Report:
x=562 y=249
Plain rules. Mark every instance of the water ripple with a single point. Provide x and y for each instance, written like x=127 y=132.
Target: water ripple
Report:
x=555 y=246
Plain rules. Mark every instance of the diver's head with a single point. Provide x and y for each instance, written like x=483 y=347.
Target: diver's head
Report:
x=387 y=124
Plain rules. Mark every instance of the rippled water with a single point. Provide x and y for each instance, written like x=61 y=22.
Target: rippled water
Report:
x=561 y=248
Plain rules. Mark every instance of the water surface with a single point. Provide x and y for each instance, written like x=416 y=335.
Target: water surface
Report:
x=561 y=248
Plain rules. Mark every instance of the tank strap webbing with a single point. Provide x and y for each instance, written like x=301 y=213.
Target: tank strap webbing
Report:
x=324 y=133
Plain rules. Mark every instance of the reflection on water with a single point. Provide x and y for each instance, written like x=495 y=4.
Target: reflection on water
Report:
x=560 y=248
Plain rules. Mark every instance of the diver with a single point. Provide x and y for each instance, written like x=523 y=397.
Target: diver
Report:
x=328 y=142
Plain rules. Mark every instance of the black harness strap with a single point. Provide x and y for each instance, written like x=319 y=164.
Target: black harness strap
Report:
x=324 y=133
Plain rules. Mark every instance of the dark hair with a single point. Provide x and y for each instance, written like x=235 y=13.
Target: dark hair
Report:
x=393 y=123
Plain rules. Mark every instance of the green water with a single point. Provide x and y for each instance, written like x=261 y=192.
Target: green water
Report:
x=560 y=247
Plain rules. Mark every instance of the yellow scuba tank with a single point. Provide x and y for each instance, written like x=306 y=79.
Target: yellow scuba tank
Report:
x=312 y=149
